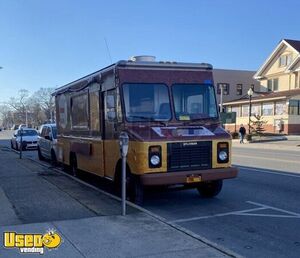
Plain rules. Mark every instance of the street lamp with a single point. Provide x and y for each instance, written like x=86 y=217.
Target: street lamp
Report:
x=250 y=93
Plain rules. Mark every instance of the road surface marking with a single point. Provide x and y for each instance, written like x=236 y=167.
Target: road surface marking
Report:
x=274 y=208
x=269 y=172
x=247 y=213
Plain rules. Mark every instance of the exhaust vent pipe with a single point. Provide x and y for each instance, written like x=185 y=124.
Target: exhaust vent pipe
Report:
x=142 y=59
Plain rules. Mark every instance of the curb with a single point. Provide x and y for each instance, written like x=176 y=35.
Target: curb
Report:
x=204 y=240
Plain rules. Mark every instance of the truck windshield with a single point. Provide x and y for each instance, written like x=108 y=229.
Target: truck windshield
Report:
x=146 y=102
x=194 y=101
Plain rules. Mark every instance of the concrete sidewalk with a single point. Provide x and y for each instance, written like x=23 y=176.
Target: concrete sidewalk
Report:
x=35 y=199
x=290 y=143
x=135 y=235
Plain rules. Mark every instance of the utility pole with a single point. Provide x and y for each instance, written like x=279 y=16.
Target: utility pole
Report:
x=221 y=98
x=26 y=119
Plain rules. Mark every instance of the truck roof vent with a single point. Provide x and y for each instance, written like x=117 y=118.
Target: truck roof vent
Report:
x=142 y=58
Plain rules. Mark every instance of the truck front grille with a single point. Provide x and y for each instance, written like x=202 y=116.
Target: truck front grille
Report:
x=189 y=155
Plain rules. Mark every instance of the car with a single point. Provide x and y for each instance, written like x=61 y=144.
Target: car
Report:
x=22 y=126
x=29 y=139
x=14 y=127
x=47 y=143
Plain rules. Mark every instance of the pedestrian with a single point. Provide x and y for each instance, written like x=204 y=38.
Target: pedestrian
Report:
x=242 y=133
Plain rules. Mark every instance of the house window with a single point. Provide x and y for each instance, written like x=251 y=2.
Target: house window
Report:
x=267 y=109
x=273 y=84
x=225 y=87
x=294 y=107
x=285 y=60
x=239 y=89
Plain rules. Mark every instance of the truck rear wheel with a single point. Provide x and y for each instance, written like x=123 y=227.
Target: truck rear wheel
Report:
x=53 y=158
x=210 y=189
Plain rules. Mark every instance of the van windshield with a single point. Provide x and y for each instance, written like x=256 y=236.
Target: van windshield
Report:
x=194 y=101
x=146 y=102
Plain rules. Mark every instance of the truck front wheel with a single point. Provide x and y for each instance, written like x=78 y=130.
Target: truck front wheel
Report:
x=134 y=188
x=210 y=189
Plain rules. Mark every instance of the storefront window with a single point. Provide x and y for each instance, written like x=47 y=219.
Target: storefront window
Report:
x=267 y=109
x=294 y=107
x=280 y=108
x=245 y=110
x=256 y=109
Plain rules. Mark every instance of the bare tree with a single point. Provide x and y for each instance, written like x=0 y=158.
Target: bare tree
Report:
x=44 y=98
x=6 y=116
x=20 y=104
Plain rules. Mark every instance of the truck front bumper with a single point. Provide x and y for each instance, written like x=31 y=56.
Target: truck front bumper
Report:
x=172 y=178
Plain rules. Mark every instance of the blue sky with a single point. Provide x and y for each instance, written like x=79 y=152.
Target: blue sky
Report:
x=50 y=43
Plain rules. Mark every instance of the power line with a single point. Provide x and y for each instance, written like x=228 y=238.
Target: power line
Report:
x=107 y=48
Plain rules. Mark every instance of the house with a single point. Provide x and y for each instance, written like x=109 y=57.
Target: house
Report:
x=235 y=83
x=278 y=99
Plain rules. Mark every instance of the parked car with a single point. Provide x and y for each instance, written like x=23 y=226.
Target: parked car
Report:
x=22 y=126
x=29 y=139
x=14 y=127
x=47 y=143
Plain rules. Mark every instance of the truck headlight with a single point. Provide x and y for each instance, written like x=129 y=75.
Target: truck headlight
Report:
x=154 y=156
x=223 y=152
x=223 y=155
x=155 y=160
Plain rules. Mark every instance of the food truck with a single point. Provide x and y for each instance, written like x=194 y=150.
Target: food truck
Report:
x=168 y=110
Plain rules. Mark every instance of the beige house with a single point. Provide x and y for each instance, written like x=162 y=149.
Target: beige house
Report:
x=278 y=99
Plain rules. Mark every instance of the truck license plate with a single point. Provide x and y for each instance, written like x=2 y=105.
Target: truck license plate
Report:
x=193 y=179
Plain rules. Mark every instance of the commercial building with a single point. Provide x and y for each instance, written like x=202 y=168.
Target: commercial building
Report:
x=278 y=99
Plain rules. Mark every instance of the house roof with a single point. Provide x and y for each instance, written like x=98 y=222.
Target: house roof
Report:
x=266 y=96
x=295 y=44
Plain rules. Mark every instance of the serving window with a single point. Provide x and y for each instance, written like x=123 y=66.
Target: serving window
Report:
x=80 y=111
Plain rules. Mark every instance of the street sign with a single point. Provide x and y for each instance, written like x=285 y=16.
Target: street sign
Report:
x=228 y=117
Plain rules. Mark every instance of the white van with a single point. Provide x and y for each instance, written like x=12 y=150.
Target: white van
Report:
x=47 y=142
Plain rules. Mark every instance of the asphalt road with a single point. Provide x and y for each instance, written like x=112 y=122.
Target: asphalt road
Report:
x=255 y=215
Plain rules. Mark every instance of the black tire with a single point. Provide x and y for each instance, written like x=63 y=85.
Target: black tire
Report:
x=73 y=163
x=66 y=168
x=17 y=148
x=53 y=158
x=210 y=189
x=134 y=188
x=136 y=191
x=40 y=154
